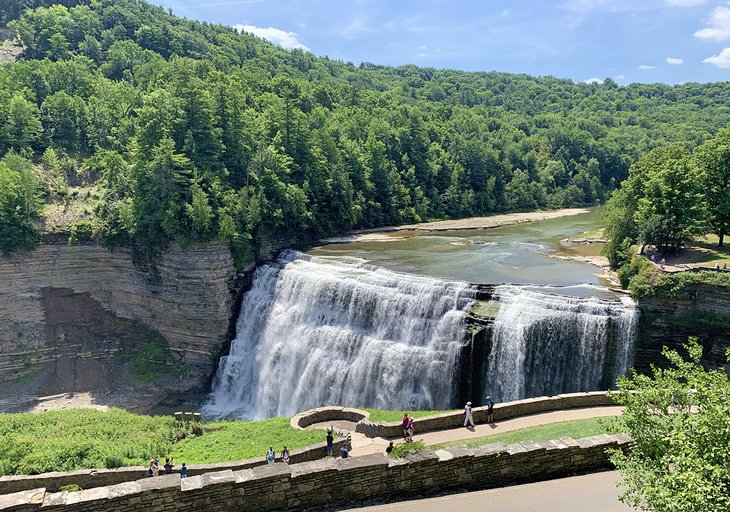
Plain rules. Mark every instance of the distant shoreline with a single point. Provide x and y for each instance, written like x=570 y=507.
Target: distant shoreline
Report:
x=488 y=222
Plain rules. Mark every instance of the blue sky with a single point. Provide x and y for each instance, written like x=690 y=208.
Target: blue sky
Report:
x=670 y=41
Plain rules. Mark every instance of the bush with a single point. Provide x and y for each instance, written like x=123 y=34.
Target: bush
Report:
x=405 y=449
x=634 y=266
x=653 y=284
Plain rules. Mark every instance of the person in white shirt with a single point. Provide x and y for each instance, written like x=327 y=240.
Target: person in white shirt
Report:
x=467 y=415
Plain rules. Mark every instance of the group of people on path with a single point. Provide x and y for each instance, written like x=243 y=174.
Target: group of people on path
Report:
x=154 y=467
x=271 y=455
x=468 y=417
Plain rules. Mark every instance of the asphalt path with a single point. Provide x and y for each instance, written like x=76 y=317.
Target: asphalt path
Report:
x=596 y=492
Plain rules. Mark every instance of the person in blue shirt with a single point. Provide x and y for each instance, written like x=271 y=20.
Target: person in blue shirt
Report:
x=271 y=455
x=183 y=471
x=490 y=408
x=344 y=453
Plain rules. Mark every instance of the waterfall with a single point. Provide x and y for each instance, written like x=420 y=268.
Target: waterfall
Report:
x=545 y=344
x=316 y=331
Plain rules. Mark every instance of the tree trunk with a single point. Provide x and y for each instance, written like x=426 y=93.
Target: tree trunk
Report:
x=721 y=243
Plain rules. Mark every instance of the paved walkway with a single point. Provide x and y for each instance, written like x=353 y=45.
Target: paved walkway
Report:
x=362 y=445
x=596 y=491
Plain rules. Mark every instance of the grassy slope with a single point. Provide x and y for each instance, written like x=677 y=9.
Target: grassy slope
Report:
x=575 y=429
x=378 y=416
x=238 y=440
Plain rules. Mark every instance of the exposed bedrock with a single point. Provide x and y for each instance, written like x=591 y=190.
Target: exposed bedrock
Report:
x=78 y=318
x=701 y=311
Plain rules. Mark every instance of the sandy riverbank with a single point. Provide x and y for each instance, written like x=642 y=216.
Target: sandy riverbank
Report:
x=493 y=221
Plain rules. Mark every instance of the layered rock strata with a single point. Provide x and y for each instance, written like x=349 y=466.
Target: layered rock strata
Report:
x=72 y=316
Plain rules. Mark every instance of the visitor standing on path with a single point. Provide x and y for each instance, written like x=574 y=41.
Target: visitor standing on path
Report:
x=285 y=455
x=410 y=429
x=330 y=442
x=467 y=415
x=270 y=455
x=404 y=425
x=490 y=408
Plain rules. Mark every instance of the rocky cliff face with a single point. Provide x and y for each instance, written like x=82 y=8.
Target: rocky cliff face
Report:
x=77 y=319
x=701 y=311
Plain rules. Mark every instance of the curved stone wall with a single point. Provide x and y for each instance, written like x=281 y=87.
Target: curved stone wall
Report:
x=501 y=412
x=323 y=414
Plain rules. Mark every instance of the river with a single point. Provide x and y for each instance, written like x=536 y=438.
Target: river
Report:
x=527 y=254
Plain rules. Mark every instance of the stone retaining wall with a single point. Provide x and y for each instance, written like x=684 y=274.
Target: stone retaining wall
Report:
x=331 y=481
x=501 y=412
x=322 y=414
x=89 y=479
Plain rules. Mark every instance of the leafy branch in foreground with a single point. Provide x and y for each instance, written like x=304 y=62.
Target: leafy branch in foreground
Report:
x=679 y=420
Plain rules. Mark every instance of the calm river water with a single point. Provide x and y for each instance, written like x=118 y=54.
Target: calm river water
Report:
x=518 y=254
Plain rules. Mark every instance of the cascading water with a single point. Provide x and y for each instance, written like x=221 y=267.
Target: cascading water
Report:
x=316 y=331
x=545 y=344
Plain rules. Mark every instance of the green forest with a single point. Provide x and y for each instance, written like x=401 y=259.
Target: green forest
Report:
x=127 y=124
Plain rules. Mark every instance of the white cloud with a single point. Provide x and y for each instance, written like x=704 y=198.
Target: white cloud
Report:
x=424 y=47
x=645 y=67
x=593 y=80
x=719 y=26
x=619 y=77
x=674 y=61
x=283 y=38
x=684 y=3
x=721 y=61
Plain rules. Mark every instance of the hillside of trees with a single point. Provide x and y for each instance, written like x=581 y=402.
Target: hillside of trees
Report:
x=140 y=128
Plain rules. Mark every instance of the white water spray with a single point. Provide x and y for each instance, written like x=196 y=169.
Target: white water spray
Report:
x=318 y=331
x=545 y=344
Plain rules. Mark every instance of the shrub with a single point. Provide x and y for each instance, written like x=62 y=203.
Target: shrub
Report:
x=70 y=488
x=405 y=449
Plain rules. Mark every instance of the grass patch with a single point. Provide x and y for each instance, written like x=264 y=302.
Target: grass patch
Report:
x=87 y=439
x=237 y=440
x=380 y=416
x=80 y=438
x=575 y=429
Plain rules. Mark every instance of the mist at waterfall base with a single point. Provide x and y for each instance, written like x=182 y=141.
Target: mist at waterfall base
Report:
x=316 y=331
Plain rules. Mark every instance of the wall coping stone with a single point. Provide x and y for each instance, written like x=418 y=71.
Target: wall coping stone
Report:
x=304 y=419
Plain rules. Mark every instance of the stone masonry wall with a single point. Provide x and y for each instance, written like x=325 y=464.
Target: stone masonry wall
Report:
x=332 y=481
x=501 y=412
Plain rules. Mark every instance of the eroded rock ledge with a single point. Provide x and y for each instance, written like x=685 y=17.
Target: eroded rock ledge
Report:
x=72 y=317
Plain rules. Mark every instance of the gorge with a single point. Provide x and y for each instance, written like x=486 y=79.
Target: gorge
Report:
x=394 y=326
x=319 y=331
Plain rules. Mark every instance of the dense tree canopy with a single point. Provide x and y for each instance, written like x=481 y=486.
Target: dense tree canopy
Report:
x=190 y=131
x=670 y=196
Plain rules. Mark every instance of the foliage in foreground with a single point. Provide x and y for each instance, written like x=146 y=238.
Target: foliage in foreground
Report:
x=679 y=419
